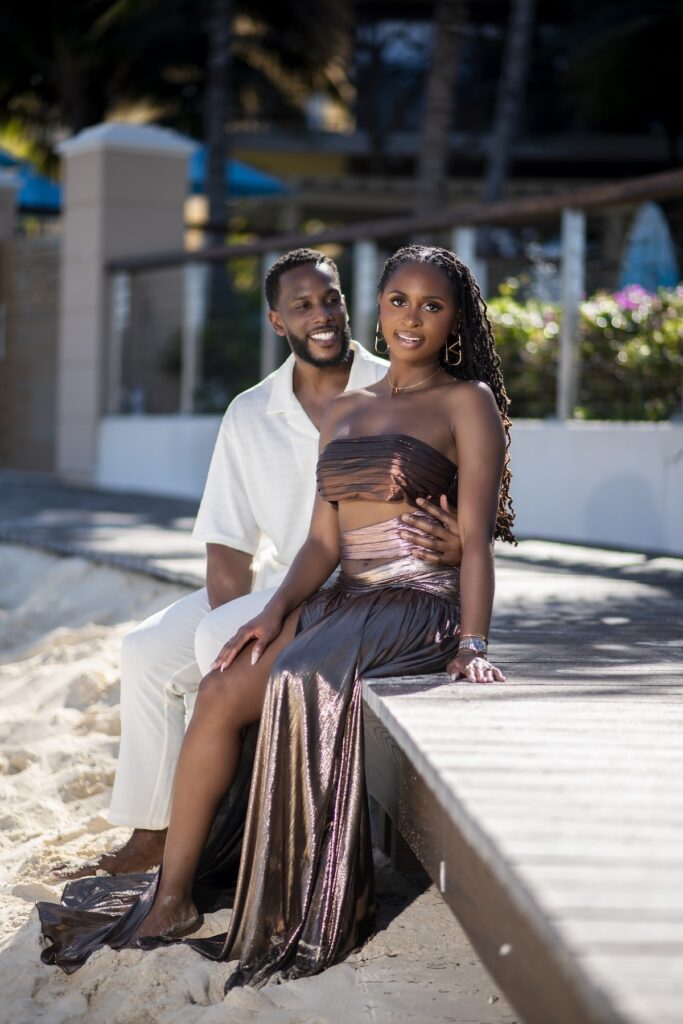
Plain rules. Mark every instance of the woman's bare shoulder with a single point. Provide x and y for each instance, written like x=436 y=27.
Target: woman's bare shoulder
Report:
x=470 y=396
x=345 y=403
x=471 y=402
x=342 y=408
x=471 y=392
x=349 y=402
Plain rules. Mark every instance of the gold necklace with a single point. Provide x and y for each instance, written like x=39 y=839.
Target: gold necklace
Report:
x=406 y=387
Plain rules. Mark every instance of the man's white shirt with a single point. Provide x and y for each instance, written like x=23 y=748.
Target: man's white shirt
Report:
x=261 y=485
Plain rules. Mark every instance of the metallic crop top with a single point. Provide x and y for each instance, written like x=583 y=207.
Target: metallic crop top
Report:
x=389 y=467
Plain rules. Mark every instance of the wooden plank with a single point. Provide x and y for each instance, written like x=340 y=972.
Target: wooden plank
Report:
x=517 y=945
x=653 y=993
x=568 y=795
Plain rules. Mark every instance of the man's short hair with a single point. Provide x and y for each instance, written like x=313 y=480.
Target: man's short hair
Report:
x=295 y=258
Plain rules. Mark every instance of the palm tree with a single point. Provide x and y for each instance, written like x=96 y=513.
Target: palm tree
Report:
x=66 y=65
x=217 y=108
x=624 y=67
x=510 y=94
x=450 y=17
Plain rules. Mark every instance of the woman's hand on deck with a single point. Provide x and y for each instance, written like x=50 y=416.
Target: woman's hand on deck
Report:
x=474 y=668
x=436 y=542
x=263 y=629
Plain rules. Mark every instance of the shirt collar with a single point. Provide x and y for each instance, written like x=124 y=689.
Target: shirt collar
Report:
x=282 y=397
x=358 y=378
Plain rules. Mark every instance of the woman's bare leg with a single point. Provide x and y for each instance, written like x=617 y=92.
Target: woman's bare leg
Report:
x=226 y=703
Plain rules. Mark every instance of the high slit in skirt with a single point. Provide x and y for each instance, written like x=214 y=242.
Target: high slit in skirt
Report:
x=296 y=818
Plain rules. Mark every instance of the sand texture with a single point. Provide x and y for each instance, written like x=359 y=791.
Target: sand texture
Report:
x=61 y=622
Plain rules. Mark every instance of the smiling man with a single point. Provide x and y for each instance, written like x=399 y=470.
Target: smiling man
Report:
x=254 y=516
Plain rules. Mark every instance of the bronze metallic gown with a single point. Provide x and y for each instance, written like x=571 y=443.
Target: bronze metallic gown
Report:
x=295 y=821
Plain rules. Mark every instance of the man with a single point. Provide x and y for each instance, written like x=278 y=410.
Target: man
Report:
x=253 y=517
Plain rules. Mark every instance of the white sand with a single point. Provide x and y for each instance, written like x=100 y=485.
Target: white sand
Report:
x=61 y=622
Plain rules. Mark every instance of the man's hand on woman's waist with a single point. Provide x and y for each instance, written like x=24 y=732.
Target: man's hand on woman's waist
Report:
x=438 y=538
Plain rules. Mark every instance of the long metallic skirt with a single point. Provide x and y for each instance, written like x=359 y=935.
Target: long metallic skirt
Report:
x=304 y=896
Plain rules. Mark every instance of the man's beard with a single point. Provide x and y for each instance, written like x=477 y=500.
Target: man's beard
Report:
x=299 y=347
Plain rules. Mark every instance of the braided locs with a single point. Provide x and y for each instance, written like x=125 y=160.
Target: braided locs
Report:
x=480 y=361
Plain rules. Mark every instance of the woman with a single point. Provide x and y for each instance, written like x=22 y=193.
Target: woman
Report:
x=436 y=424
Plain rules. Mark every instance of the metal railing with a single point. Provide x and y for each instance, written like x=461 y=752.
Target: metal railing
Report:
x=160 y=303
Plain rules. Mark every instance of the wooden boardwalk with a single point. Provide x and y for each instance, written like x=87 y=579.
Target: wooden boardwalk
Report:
x=550 y=809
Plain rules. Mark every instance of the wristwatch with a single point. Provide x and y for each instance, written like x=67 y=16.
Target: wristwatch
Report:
x=473 y=643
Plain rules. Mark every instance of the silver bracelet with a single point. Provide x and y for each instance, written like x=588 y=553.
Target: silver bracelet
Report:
x=473 y=643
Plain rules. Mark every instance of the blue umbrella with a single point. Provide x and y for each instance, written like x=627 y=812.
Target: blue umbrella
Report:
x=39 y=194
x=35 y=192
x=240 y=179
x=8 y=159
x=650 y=257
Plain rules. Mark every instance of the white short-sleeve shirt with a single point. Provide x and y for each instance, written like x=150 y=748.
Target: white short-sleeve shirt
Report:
x=261 y=485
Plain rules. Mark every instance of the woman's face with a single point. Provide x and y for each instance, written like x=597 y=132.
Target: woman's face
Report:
x=417 y=312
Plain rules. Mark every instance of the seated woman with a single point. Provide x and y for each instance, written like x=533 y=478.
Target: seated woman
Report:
x=437 y=424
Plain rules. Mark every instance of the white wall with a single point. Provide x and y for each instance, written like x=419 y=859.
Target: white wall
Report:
x=617 y=484
x=156 y=454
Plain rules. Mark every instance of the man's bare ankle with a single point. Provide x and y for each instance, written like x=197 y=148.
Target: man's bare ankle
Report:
x=148 y=837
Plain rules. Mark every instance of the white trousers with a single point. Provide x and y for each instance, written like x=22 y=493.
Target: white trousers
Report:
x=162 y=662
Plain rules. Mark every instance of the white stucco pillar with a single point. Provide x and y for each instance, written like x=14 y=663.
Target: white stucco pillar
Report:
x=124 y=190
x=572 y=284
x=365 y=280
x=271 y=344
x=464 y=245
x=8 y=205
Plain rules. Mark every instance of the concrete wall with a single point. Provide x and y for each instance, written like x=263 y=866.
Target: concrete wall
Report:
x=29 y=285
x=156 y=454
x=616 y=484
x=125 y=188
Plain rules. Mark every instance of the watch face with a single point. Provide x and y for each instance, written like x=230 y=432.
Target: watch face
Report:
x=473 y=643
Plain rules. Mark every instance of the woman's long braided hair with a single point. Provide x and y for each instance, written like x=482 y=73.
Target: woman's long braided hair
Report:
x=480 y=361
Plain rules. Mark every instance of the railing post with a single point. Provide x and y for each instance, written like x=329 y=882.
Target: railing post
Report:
x=464 y=245
x=365 y=280
x=194 y=315
x=572 y=278
x=270 y=342
x=120 y=310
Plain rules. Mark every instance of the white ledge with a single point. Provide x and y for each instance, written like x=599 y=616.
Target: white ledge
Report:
x=148 y=138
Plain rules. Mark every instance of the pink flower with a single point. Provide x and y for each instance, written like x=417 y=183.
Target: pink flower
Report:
x=632 y=296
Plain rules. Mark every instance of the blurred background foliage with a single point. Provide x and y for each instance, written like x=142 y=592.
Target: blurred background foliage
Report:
x=605 y=65
x=65 y=65
x=360 y=70
x=631 y=353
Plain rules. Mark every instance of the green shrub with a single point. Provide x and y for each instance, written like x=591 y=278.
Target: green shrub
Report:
x=631 y=353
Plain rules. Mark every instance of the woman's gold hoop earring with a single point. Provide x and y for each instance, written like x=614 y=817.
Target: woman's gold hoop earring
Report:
x=380 y=337
x=455 y=346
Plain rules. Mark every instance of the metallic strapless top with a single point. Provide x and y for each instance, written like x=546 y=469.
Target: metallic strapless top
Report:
x=389 y=467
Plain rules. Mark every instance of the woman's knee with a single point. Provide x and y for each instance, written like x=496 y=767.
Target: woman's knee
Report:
x=218 y=701
x=221 y=624
x=210 y=635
